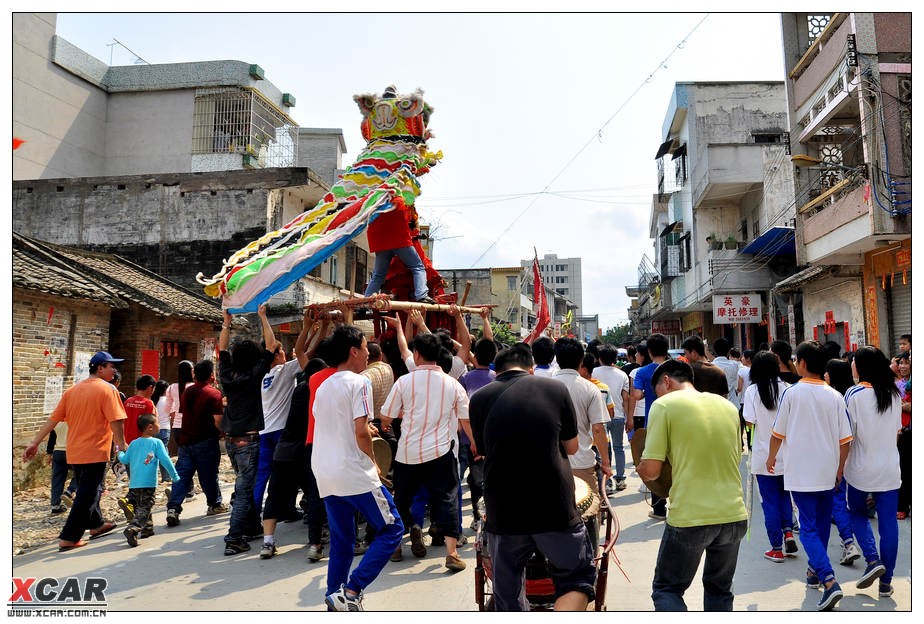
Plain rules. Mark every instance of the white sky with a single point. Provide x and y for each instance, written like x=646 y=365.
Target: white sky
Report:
x=516 y=98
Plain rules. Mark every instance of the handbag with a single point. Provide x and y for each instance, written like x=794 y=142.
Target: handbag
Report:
x=662 y=485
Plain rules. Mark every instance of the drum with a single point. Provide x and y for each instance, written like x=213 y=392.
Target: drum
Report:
x=588 y=503
x=381 y=450
x=662 y=485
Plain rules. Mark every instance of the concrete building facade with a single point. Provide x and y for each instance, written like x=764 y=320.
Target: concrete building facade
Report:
x=174 y=166
x=721 y=219
x=562 y=276
x=848 y=90
x=82 y=118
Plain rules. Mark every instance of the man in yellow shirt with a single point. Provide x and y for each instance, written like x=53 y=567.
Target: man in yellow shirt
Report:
x=95 y=416
x=698 y=433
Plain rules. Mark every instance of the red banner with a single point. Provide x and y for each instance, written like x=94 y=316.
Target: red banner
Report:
x=542 y=316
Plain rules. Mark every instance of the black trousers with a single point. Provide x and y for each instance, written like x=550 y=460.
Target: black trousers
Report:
x=85 y=513
x=441 y=479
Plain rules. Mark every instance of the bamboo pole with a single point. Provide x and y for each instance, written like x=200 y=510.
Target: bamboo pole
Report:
x=468 y=287
x=384 y=305
x=358 y=301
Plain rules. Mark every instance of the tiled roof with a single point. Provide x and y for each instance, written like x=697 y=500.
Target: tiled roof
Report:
x=75 y=272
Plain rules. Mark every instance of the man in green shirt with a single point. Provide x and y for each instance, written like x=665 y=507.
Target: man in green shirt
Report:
x=698 y=434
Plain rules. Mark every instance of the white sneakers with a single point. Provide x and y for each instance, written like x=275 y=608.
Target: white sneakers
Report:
x=341 y=601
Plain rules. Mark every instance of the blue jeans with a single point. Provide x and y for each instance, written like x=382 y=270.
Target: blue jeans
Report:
x=679 y=556
x=777 y=508
x=164 y=435
x=617 y=427
x=200 y=458
x=840 y=514
x=268 y=442
x=378 y=508
x=244 y=456
x=59 y=470
x=886 y=508
x=815 y=529
x=407 y=255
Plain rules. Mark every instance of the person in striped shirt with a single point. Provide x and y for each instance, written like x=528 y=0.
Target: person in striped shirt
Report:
x=431 y=405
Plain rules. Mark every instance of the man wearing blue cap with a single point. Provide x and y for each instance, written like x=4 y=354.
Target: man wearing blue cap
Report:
x=95 y=417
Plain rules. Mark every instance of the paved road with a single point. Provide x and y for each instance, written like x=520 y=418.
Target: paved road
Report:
x=184 y=569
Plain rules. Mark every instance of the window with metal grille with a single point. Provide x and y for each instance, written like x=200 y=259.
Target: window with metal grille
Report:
x=242 y=121
x=817 y=25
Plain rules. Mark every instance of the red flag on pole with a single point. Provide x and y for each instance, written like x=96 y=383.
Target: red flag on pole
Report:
x=542 y=315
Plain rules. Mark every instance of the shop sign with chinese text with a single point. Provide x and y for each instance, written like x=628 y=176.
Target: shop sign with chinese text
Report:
x=727 y=309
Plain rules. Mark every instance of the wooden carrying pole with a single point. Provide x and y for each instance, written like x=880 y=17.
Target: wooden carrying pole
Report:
x=353 y=303
x=468 y=287
x=384 y=305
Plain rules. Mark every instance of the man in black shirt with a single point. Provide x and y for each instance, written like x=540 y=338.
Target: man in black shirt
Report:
x=241 y=372
x=525 y=427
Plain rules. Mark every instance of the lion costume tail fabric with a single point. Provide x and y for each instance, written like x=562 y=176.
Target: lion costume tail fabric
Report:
x=383 y=178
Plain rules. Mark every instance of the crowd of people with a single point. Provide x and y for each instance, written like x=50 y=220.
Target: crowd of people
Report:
x=379 y=436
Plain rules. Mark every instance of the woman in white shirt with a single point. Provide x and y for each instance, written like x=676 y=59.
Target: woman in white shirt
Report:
x=159 y=398
x=759 y=406
x=872 y=467
x=174 y=392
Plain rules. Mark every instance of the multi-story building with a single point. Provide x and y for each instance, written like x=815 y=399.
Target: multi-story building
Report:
x=174 y=166
x=848 y=88
x=719 y=223
x=562 y=275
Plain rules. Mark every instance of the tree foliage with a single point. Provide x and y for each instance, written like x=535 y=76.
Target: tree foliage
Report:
x=616 y=335
x=503 y=334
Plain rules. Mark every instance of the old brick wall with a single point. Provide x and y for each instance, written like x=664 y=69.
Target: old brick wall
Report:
x=175 y=339
x=173 y=232
x=51 y=336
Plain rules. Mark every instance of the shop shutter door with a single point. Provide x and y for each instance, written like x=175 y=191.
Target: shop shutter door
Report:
x=900 y=310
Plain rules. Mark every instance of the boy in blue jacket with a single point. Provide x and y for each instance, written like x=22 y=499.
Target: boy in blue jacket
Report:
x=143 y=457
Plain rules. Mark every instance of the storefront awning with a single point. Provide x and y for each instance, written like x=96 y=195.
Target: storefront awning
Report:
x=794 y=282
x=777 y=241
x=665 y=148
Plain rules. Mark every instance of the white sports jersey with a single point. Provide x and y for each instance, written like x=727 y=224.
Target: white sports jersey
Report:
x=812 y=421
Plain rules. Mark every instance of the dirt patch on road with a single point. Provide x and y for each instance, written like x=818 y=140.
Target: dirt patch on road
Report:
x=34 y=525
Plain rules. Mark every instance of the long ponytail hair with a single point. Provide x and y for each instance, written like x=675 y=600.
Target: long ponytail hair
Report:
x=185 y=372
x=765 y=374
x=873 y=368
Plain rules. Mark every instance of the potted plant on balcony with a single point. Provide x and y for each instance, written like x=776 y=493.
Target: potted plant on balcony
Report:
x=731 y=242
x=714 y=241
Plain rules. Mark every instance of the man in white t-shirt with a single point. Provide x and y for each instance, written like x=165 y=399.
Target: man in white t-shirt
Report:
x=544 y=355
x=812 y=419
x=721 y=347
x=589 y=409
x=276 y=393
x=431 y=406
x=618 y=383
x=347 y=477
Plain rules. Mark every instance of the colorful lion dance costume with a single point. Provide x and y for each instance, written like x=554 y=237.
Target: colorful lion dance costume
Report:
x=383 y=178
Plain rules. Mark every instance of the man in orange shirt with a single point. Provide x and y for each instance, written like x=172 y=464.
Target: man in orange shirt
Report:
x=95 y=416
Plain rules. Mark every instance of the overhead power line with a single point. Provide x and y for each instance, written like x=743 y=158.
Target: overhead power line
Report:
x=594 y=137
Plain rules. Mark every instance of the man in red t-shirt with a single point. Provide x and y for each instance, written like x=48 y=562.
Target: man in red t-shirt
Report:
x=316 y=511
x=138 y=404
x=389 y=235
